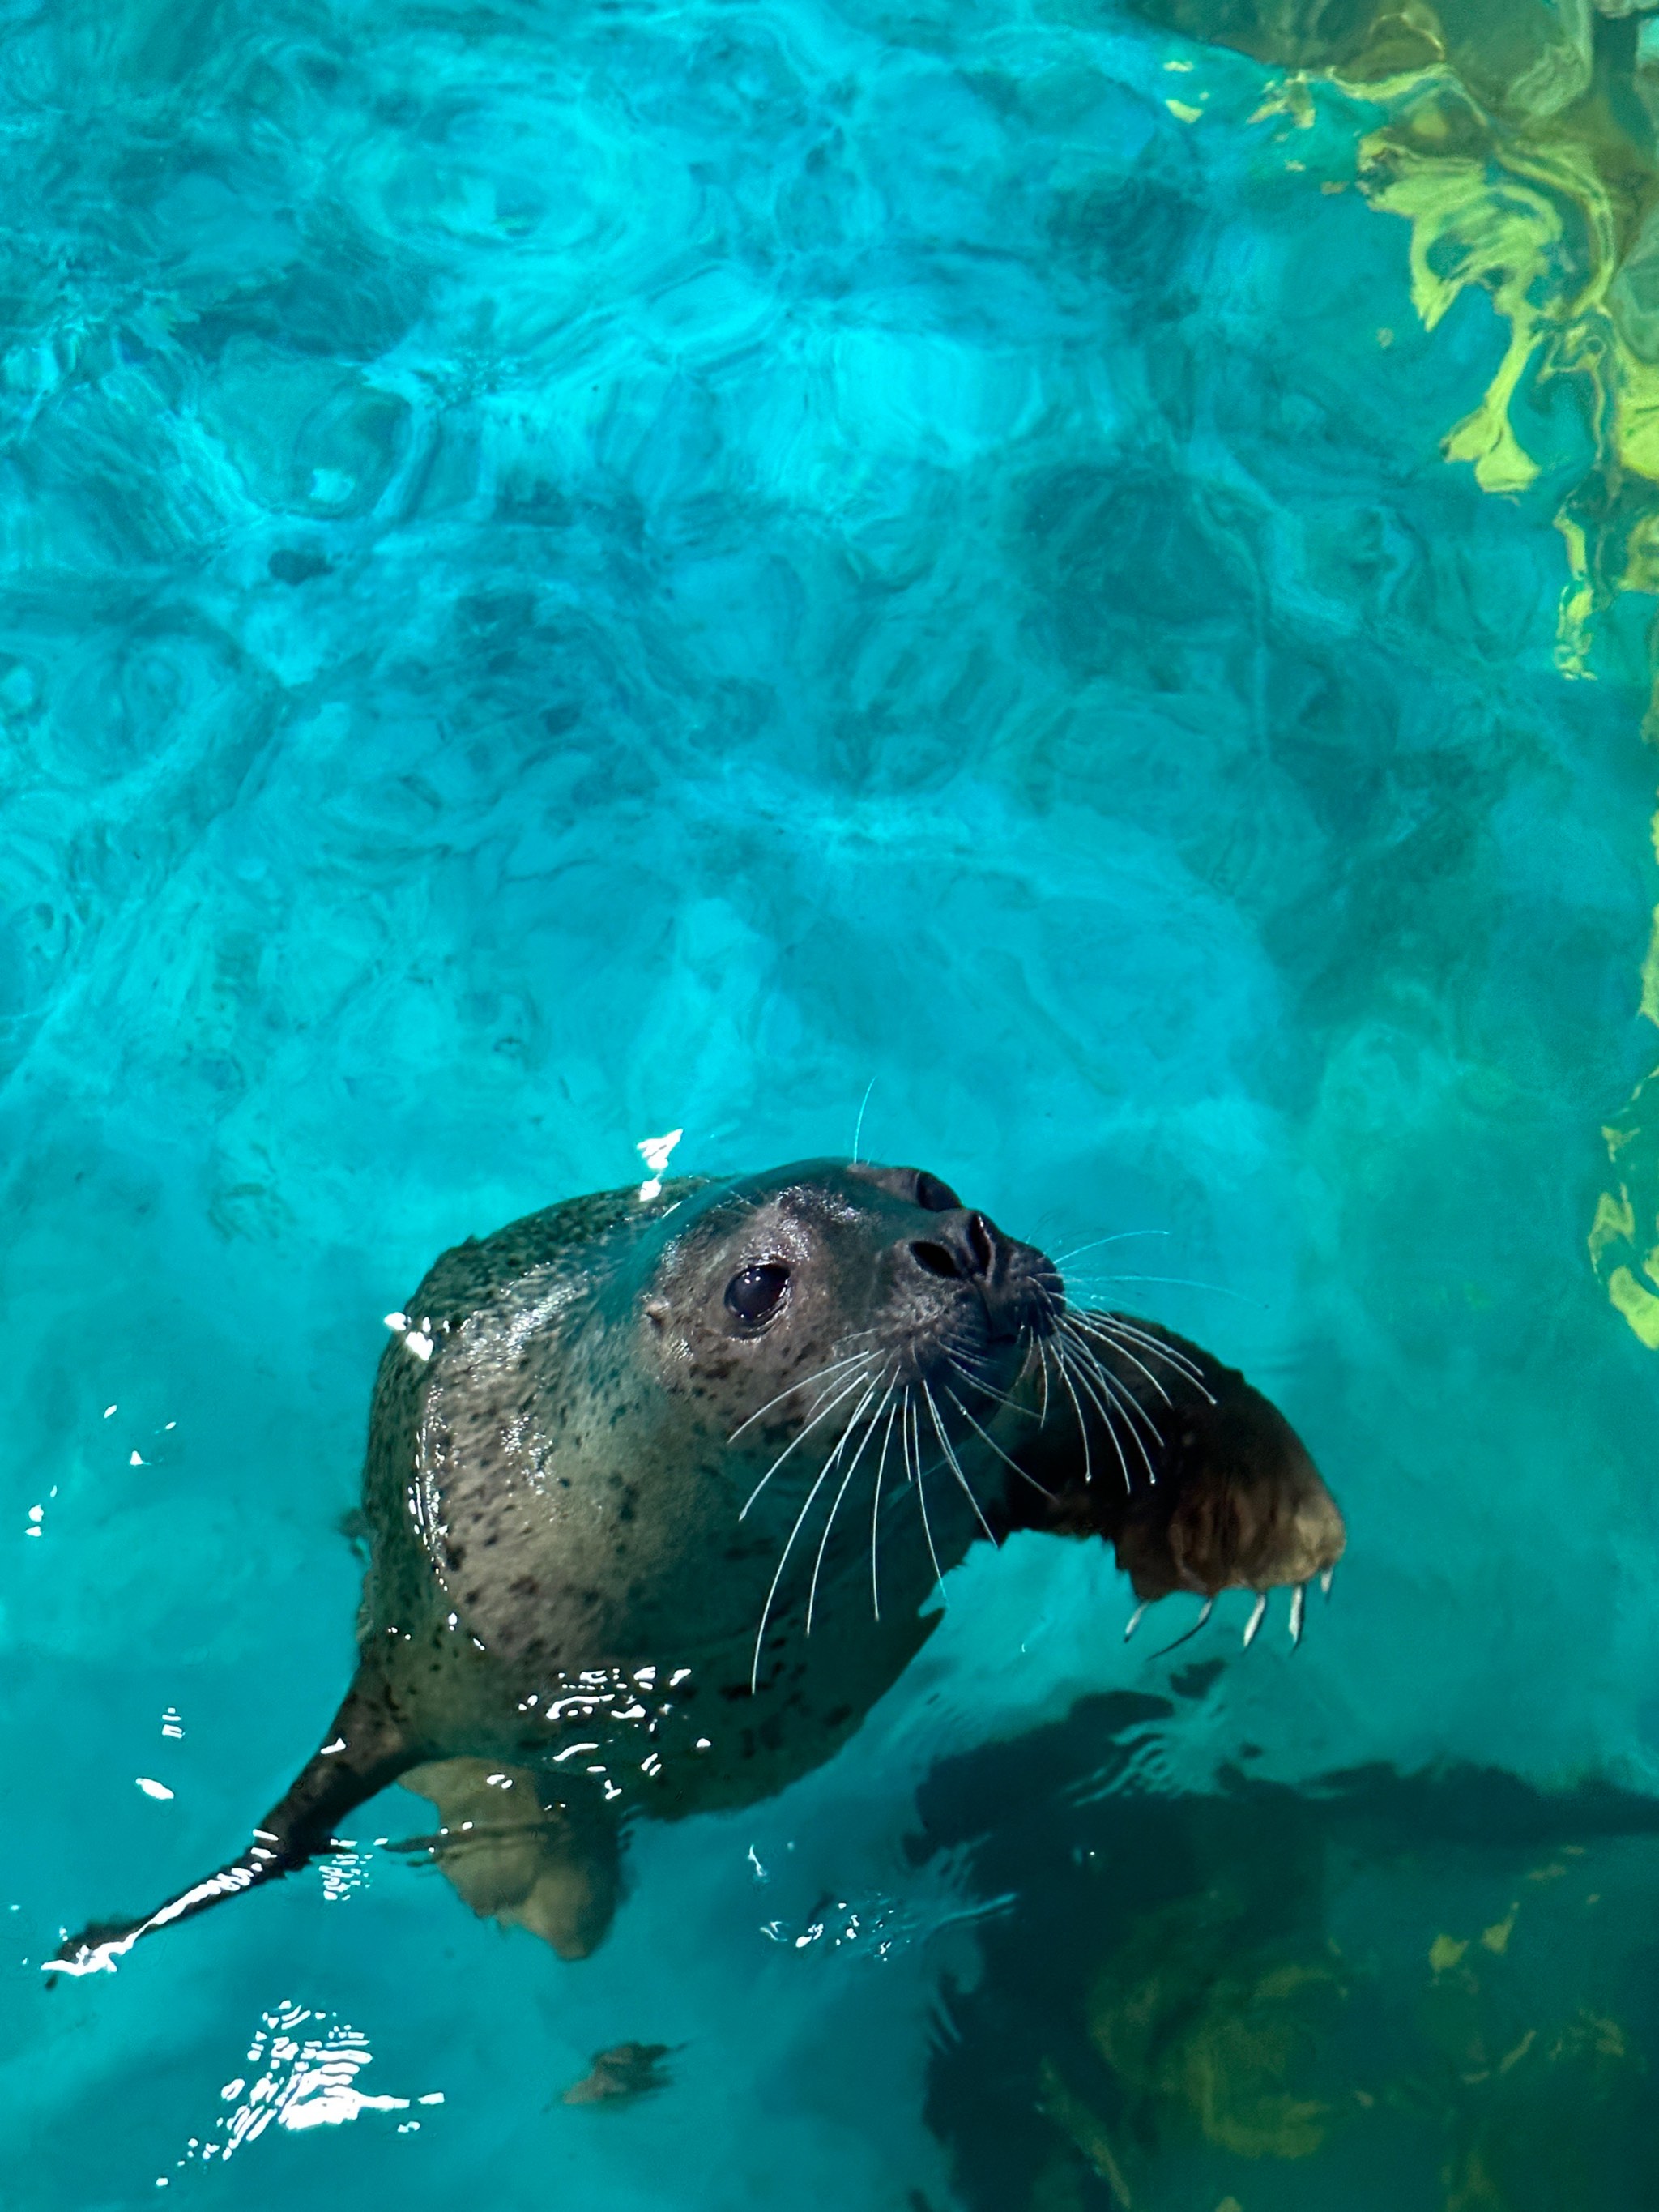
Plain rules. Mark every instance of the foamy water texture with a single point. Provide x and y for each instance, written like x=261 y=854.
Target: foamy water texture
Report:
x=574 y=573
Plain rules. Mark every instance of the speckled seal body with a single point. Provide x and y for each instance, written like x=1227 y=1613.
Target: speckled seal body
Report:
x=556 y=1500
x=659 y=1483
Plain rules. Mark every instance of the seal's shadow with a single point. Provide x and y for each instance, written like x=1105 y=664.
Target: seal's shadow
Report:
x=1385 y=1991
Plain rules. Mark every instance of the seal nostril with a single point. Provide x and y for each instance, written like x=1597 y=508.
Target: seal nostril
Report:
x=980 y=1242
x=936 y=1259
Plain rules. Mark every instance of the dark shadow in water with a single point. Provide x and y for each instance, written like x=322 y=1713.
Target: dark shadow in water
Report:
x=1387 y=1991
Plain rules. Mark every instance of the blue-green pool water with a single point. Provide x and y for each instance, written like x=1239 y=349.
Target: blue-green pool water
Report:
x=570 y=572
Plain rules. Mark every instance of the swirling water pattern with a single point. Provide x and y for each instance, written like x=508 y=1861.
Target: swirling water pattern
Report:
x=569 y=573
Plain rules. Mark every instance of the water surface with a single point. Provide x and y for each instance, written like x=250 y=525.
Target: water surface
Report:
x=569 y=573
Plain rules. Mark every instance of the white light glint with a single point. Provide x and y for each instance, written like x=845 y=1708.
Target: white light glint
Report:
x=301 y=2081
x=654 y=1152
x=343 y=1872
x=158 y=1790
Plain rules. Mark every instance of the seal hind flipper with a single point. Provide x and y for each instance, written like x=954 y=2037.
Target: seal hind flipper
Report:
x=518 y=1859
x=366 y=1749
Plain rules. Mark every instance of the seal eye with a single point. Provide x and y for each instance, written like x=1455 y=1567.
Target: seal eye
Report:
x=756 y=1294
x=938 y=1197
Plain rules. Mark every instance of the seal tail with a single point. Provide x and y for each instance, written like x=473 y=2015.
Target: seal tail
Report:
x=367 y=1750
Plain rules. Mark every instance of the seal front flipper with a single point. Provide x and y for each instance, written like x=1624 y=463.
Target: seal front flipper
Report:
x=1197 y=1480
x=366 y=1749
x=1239 y=1504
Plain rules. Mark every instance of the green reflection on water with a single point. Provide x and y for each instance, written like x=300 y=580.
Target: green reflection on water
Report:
x=1518 y=142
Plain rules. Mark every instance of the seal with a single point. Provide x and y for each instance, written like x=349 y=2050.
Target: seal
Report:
x=659 y=1483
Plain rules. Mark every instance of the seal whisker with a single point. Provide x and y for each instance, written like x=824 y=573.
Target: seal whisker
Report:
x=835 y=1367
x=1095 y=1379
x=1121 y=1396
x=1117 y=1328
x=1106 y=1409
x=840 y=1395
x=1182 y=1283
x=1064 y=1259
x=955 y=1349
x=997 y=1448
x=1042 y=1410
x=972 y=1368
x=834 y=1453
x=875 y=1506
x=851 y=1468
x=1082 y=1425
x=1030 y=1341
x=921 y=1488
x=955 y=1464
x=1120 y=1332
x=1134 y=1619
x=1102 y=1409
x=986 y=1390
x=857 y=1127
x=1115 y=1344
x=821 y=1413
x=825 y=1374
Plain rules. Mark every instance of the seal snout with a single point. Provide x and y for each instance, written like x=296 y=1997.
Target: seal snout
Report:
x=1017 y=1286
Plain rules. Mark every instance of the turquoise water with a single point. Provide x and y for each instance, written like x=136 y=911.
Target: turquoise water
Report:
x=570 y=574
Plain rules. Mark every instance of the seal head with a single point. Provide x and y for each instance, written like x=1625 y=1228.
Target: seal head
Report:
x=603 y=1460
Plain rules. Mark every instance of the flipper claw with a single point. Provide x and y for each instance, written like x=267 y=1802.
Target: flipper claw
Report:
x=1186 y=1635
